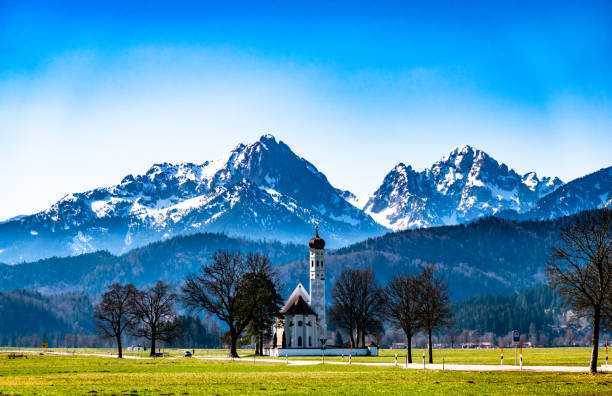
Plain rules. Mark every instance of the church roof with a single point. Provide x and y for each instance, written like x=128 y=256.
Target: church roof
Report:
x=317 y=242
x=299 y=307
x=299 y=291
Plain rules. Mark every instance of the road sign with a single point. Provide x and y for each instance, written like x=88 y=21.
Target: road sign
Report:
x=516 y=336
x=44 y=344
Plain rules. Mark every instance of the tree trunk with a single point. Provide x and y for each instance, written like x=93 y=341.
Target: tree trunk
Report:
x=429 y=346
x=409 y=345
x=234 y=339
x=595 y=340
x=119 y=347
x=152 y=345
x=363 y=338
x=352 y=337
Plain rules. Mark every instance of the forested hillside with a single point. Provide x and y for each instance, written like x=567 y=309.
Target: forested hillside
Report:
x=490 y=256
x=29 y=317
x=169 y=261
x=537 y=313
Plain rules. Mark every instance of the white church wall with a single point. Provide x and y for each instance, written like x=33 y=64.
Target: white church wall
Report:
x=282 y=352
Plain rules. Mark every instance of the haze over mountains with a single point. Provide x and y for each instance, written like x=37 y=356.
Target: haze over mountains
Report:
x=265 y=191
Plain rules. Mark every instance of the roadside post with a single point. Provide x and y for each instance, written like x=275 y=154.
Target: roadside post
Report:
x=396 y=359
x=606 y=352
x=323 y=341
x=406 y=355
x=521 y=353
x=501 y=344
x=516 y=338
x=423 y=359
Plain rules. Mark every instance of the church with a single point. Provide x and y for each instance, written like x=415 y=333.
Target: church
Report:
x=300 y=329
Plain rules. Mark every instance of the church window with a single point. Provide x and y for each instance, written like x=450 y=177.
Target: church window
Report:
x=300 y=341
x=290 y=341
x=300 y=323
x=309 y=341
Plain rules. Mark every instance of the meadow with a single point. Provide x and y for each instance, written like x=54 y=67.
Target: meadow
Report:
x=574 y=356
x=77 y=374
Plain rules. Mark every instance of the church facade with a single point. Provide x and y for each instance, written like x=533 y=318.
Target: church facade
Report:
x=301 y=322
x=301 y=326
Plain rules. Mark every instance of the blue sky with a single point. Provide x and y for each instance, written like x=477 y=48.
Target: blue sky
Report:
x=92 y=92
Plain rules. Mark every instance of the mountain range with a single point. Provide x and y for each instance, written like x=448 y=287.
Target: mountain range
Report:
x=264 y=191
x=260 y=191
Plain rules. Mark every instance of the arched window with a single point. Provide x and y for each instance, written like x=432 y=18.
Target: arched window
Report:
x=312 y=263
x=284 y=344
x=300 y=341
x=309 y=341
x=290 y=341
x=300 y=323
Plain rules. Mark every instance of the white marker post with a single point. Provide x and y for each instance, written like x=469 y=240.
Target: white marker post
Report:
x=396 y=359
x=521 y=353
x=501 y=344
x=423 y=359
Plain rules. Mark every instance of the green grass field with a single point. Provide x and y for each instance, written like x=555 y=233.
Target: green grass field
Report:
x=531 y=356
x=79 y=375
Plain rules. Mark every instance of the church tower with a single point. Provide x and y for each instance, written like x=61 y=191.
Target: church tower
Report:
x=317 y=283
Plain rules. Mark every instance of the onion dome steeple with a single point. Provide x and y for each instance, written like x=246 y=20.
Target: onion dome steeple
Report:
x=317 y=242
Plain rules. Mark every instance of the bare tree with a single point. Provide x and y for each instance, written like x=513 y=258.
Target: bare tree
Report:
x=402 y=306
x=155 y=309
x=342 y=311
x=357 y=304
x=581 y=269
x=113 y=314
x=223 y=290
x=434 y=305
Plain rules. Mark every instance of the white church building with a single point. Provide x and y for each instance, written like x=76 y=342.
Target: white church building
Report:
x=301 y=327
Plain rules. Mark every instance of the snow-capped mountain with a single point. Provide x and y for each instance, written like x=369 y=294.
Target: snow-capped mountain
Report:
x=261 y=191
x=587 y=192
x=465 y=184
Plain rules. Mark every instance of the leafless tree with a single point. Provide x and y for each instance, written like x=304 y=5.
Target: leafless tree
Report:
x=155 y=310
x=113 y=315
x=357 y=304
x=434 y=304
x=223 y=288
x=343 y=296
x=581 y=269
x=402 y=306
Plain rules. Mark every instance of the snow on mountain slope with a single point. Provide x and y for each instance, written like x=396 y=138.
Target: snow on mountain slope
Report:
x=465 y=184
x=587 y=192
x=261 y=190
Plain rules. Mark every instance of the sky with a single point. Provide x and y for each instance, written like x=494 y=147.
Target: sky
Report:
x=93 y=91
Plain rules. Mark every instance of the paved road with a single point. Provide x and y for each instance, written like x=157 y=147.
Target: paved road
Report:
x=417 y=366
